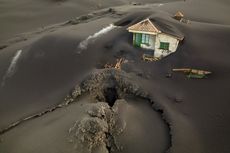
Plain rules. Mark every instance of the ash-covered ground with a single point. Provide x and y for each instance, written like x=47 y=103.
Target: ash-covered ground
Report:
x=56 y=96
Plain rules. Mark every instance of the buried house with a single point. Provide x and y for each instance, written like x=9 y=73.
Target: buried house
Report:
x=159 y=37
x=179 y=16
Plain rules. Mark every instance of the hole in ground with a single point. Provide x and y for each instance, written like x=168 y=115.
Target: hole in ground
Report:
x=110 y=96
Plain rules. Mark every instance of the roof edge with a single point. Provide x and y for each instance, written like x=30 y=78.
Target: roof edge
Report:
x=147 y=19
x=145 y=32
x=180 y=38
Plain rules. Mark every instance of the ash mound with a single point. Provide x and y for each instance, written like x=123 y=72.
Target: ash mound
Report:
x=108 y=85
x=112 y=93
x=97 y=133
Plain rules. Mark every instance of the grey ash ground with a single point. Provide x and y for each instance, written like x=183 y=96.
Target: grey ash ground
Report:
x=59 y=98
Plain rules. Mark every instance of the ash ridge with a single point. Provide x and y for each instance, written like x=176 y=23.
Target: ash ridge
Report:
x=107 y=89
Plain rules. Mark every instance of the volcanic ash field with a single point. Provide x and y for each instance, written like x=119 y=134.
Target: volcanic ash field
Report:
x=61 y=91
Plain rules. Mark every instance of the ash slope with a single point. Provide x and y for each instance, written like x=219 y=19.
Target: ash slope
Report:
x=197 y=109
x=23 y=16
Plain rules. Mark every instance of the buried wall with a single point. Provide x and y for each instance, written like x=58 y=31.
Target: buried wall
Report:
x=173 y=44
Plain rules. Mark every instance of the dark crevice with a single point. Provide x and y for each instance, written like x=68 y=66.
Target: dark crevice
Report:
x=110 y=95
x=111 y=145
x=113 y=85
x=108 y=143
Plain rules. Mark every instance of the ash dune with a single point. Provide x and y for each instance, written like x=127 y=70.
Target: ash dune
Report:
x=137 y=109
x=26 y=15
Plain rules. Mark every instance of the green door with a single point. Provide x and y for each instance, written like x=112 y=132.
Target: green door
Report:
x=137 y=39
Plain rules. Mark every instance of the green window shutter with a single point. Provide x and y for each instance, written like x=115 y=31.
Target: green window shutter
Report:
x=137 y=39
x=139 y=35
x=134 y=38
x=164 y=45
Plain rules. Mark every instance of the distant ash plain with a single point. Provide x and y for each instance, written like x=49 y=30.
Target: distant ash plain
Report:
x=57 y=96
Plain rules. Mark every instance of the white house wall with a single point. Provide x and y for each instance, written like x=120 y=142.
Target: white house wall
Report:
x=173 y=44
x=152 y=41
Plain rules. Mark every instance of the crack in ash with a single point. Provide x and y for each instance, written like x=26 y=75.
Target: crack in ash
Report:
x=121 y=85
x=97 y=130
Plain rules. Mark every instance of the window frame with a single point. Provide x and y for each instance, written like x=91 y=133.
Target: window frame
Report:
x=145 y=39
x=164 y=45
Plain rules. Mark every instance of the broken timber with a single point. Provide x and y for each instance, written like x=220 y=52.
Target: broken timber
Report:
x=193 y=73
x=150 y=58
x=117 y=65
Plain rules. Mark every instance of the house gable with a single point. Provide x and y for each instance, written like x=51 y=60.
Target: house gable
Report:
x=145 y=26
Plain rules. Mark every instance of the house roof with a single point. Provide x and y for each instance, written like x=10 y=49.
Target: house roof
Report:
x=144 y=26
x=179 y=14
x=154 y=26
x=167 y=28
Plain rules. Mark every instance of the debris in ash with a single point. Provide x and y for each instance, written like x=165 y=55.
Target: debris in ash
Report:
x=180 y=17
x=136 y=3
x=193 y=73
x=151 y=58
x=117 y=65
x=94 y=15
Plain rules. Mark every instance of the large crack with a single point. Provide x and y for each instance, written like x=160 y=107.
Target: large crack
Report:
x=15 y=124
x=118 y=84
